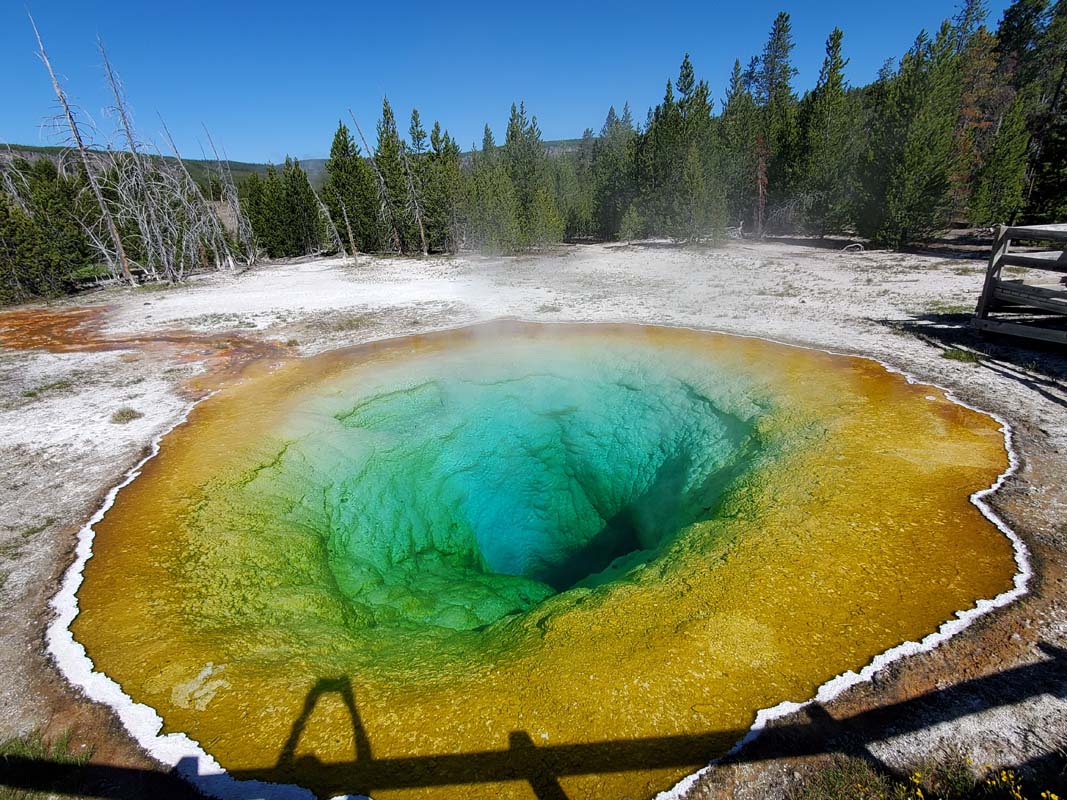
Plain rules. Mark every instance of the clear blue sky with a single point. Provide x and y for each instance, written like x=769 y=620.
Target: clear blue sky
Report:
x=273 y=77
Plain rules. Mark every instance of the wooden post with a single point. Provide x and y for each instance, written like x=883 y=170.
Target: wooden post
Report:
x=1001 y=241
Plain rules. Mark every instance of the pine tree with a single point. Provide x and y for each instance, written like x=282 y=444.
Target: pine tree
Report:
x=611 y=173
x=910 y=157
x=577 y=200
x=301 y=212
x=968 y=22
x=686 y=82
x=611 y=121
x=436 y=204
x=389 y=160
x=525 y=162
x=1017 y=39
x=825 y=152
x=737 y=127
x=693 y=218
x=1048 y=118
x=677 y=162
x=1048 y=199
x=416 y=134
x=444 y=186
x=631 y=227
x=984 y=100
x=778 y=107
x=272 y=231
x=43 y=248
x=252 y=191
x=659 y=159
x=492 y=202
x=1002 y=178
x=571 y=195
x=349 y=193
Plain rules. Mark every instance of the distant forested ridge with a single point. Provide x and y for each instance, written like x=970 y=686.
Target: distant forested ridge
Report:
x=968 y=127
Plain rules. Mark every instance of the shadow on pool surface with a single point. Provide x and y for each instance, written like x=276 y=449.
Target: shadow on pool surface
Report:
x=542 y=766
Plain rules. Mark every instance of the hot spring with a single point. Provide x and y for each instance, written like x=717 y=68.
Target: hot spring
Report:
x=612 y=543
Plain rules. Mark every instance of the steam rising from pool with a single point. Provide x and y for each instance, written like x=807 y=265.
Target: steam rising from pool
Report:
x=583 y=535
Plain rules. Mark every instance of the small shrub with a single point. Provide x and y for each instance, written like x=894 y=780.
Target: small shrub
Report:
x=36 y=529
x=352 y=322
x=949 y=309
x=631 y=226
x=48 y=387
x=956 y=354
x=125 y=414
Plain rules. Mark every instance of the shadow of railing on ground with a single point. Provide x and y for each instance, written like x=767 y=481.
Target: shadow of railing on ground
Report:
x=1040 y=366
x=813 y=732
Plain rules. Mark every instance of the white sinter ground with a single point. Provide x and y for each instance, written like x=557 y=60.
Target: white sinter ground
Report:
x=61 y=451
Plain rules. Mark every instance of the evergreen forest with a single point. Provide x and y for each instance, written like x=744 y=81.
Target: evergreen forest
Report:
x=967 y=128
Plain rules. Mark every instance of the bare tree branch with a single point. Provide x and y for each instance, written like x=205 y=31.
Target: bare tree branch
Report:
x=116 y=241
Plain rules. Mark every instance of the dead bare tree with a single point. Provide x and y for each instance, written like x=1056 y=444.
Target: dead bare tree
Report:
x=135 y=185
x=118 y=256
x=219 y=242
x=348 y=228
x=385 y=207
x=11 y=177
x=413 y=199
x=245 y=234
x=177 y=227
x=335 y=237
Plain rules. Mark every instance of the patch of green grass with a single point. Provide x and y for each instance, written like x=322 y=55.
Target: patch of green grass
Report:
x=33 y=530
x=965 y=356
x=125 y=414
x=353 y=322
x=940 y=307
x=218 y=321
x=34 y=746
x=91 y=272
x=48 y=387
x=155 y=286
x=952 y=777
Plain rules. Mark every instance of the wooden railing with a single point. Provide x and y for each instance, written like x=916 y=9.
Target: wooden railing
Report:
x=1001 y=294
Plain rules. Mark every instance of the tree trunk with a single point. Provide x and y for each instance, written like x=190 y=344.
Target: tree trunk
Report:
x=329 y=221
x=385 y=208
x=414 y=199
x=348 y=229
x=75 y=132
